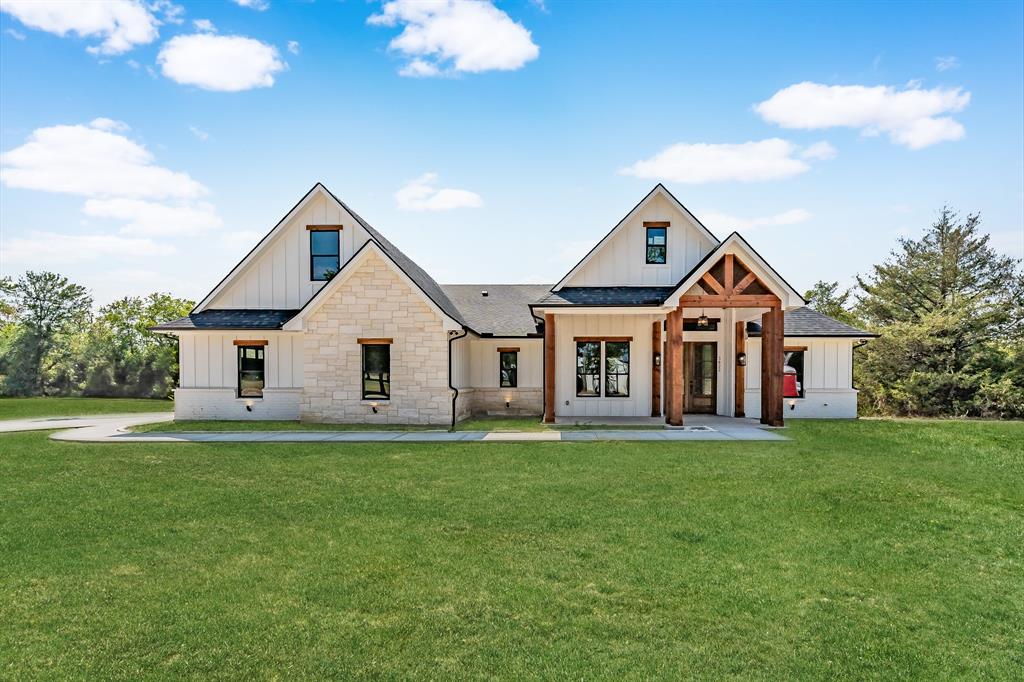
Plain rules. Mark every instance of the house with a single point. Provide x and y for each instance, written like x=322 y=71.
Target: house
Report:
x=325 y=320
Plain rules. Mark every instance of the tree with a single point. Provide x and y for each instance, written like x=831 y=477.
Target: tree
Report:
x=827 y=299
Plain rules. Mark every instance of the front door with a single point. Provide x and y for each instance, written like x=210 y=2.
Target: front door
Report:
x=701 y=377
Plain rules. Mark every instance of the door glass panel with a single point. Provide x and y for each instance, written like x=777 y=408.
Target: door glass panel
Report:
x=706 y=369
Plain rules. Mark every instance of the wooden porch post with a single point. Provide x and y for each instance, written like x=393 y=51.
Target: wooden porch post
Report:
x=772 y=359
x=675 y=379
x=549 y=368
x=656 y=369
x=741 y=372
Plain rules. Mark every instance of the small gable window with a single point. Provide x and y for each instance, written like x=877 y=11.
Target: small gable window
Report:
x=250 y=371
x=508 y=367
x=657 y=243
x=324 y=254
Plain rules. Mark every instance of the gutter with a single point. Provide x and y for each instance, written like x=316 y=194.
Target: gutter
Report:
x=452 y=339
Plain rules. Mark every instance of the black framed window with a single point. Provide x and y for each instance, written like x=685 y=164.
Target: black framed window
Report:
x=793 y=374
x=376 y=372
x=616 y=369
x=657 y=245
x=588 y=368
x=324 y=254
x=508 y=369
x=250 y=371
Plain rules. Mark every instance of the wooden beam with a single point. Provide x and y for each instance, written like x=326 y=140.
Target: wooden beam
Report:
x=772 y=359
x=730 y=261
x=656 y=369
x=325 y=228
x=251 y=342
x=602 y=338
x=512 y=349
x=549 y=368
x=765 y=301
x=793 y=349
x=744 y=283
x=375 y=342
x=741 y=372
x=713 y=283
x=656 y=223
x=675 y=379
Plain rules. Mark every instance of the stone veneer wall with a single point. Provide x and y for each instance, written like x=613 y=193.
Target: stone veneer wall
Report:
x=373 y=303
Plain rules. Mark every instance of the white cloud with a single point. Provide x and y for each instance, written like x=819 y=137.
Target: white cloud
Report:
x=725 y=222
x=293 y=46
x=109 y=125
x=422 y=194
x=946 y=63
x=155 y=219
x=122 y=24
x=94 y=162
x=54 y=248
x=258 y=5
x=459 y=35
x=224 y=63
x=202 y=135
x=17 y=35
x=911 y=117
x=819 y=151
x=771 y=159
x=204 y=25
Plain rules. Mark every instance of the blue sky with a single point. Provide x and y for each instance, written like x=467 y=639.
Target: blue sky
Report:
x=497 y=143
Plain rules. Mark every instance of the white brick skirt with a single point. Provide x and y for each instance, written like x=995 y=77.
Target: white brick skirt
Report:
x=222 y=403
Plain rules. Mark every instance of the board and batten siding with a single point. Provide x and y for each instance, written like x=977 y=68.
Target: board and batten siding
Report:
x=638 y=404
x=828 y=379
x=622 y=260
x=210 y=359
x=280 y=277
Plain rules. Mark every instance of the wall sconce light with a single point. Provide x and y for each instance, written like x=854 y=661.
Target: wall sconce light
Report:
x=702 y=321
x=657 y=359
x=248 y=406
x=792 y=404
x=507 y=404
x=373 y=406
x=741 y=359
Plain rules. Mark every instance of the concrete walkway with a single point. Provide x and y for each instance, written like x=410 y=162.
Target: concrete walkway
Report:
x=114 y=429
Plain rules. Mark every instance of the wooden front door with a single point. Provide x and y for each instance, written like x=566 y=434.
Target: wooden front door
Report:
x=701 y=378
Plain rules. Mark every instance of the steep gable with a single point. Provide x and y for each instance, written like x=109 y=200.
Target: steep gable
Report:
x=619 y=259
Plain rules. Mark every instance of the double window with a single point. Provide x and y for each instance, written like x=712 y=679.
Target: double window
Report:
x=376 y=371
x=508 y=368
x=657 y=243
x=324 y=254
x=250 y=371
x=602 y=359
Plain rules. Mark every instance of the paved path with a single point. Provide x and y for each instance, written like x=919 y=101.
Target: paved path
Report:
x=113 y=429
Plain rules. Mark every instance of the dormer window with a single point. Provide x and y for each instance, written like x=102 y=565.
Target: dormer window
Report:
x=324 y=251
x=657 y=242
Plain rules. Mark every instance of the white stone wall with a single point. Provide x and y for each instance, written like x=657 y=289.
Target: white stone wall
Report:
x=375 y=303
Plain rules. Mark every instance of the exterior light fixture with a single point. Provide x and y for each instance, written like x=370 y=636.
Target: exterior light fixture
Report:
x=792 y=404
x=741 y=359
x=373 y=406
x=702 y=321
x=248 y=406
x=657 y=359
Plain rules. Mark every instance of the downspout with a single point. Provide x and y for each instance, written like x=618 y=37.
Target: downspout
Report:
x=455 y=397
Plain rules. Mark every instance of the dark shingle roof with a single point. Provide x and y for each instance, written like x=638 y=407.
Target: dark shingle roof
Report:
x=808 y=322
x=605 y=296
x=503 y=312
x=417 y=274
x=230 y=319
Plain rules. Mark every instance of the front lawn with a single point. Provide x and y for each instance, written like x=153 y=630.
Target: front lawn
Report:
x=856 y=550
x=32 y=408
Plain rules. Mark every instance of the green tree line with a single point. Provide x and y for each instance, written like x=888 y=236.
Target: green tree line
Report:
x=53 y=342
x=949 y=312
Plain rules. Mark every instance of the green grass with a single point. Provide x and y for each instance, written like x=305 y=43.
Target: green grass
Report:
x=857 y=550
x=473 y=424
x=31 y=408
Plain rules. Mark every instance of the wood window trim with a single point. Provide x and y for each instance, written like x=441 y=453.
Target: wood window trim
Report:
x=794 y=349
x=325 y=228
x=508 y=350
x=375 y=342
x=584 y=339
x=252 y=342
x=657 y=223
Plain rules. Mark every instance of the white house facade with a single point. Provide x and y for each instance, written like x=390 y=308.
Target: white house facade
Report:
x=326 y=321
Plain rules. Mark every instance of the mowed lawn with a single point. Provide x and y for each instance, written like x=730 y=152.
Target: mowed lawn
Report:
x=858 y=550
x=32 y=408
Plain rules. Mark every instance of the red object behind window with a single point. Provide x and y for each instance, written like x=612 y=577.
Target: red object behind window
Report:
x=789 y=385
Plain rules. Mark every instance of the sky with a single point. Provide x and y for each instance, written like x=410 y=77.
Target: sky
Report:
x=147 y=146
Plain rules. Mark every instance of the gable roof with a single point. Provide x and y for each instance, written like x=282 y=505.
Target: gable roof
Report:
x=350 y=266
x=413 y=271
x=806 y=321
x=505 y=311
x=734 y=240
x=659 y=190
